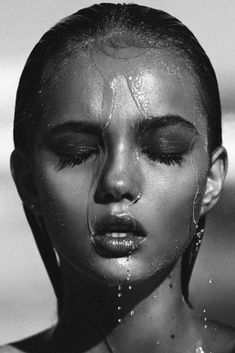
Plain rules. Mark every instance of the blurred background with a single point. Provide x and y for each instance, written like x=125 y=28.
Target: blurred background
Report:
x=27 y=302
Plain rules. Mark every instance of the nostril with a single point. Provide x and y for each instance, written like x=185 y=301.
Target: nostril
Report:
x=104 y=197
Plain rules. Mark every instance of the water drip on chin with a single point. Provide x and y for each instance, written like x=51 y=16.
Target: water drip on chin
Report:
x=119 y=307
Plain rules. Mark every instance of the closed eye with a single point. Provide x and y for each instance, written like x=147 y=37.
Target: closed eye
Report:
x=83 y=154
x=167 y=158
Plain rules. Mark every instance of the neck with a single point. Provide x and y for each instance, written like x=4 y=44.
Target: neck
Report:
x=125 y=318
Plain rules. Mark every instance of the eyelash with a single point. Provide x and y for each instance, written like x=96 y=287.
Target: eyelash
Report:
x=78 y=158
x=167 y=158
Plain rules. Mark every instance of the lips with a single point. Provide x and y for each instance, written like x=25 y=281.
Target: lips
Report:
x=118 y=236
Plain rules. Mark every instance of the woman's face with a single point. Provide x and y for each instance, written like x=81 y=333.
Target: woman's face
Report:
x=121 y=162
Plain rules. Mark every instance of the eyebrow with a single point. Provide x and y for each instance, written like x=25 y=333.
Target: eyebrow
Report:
x=166 y=121
x=77 y=127
x=142 y=124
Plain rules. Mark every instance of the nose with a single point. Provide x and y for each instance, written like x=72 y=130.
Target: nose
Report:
x=120 y=178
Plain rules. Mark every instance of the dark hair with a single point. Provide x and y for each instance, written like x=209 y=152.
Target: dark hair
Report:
x=113 y=26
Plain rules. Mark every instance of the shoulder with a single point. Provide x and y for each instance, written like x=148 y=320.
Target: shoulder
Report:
x=223 y=336
x=33 y=344
x=218 y=337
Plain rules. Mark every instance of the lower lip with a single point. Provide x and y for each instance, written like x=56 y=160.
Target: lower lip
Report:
x=117 y=244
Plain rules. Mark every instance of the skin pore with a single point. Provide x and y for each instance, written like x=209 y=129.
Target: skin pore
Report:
x=123 y=136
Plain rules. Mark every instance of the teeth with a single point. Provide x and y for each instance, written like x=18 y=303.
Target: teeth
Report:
x=117 y=235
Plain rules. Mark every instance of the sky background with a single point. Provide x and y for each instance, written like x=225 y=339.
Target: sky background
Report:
x=27 y=303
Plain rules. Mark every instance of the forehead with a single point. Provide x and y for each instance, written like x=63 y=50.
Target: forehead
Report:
x=134 y=82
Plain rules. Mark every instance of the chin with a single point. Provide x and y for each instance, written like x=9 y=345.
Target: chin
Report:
x=125 y=271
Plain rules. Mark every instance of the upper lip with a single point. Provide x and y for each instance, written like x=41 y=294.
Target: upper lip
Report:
x=119 y=224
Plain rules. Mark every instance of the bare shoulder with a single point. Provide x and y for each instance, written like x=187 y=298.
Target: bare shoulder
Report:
x=33 y=344
x=223 y=336
x=220 y=338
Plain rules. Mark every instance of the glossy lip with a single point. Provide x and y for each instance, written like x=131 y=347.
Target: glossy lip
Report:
x=118 y=236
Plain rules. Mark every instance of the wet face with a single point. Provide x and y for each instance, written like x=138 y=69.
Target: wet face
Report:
x=121 y=163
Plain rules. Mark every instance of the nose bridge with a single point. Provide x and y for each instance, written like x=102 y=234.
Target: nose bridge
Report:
x=120 y=176
x=119 y=162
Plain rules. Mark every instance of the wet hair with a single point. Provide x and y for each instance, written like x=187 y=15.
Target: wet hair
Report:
x=109 y=27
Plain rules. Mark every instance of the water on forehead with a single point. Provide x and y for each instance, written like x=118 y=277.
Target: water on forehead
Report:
x=94 y=85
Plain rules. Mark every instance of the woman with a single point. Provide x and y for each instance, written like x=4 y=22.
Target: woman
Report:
x=117 y=160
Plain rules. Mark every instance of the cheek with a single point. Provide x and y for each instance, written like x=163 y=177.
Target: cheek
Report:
x=181 y=200
x=63 y=198
x=172 y=209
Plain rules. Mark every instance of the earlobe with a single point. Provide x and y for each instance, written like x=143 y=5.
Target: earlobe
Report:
x=21 y=170
x=215 y=180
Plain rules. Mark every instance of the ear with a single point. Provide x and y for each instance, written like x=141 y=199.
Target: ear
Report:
x=21 y=170
x=215 y=179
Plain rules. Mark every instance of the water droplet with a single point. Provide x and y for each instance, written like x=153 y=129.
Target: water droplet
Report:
x=210 y=281
x=158 y=342
x=129 y=287
x=199 y=350
x=119 y=320
x=204 y=310
x=119 y=287
x=155 y=296
x=205 y=318
x=205 y=327
x=119 y=295
x=132 y=313
x=119 y=308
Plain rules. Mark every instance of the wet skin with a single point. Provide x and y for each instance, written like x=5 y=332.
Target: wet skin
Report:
x=114 y=130
x=123 y=135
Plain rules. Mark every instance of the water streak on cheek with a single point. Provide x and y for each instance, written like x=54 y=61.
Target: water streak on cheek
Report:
x=108 y=104
x=200 y=123
x=135 y=86
x=196 y=196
